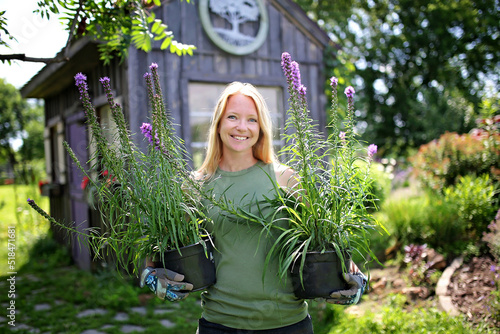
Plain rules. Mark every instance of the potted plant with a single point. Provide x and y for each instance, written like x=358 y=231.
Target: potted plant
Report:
x=149 y=206
x=326 y=213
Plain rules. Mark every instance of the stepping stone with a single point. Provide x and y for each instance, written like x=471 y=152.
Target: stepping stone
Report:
x=92 y=331
x=167 y=323
x=42 y=307
x=32 y=278
x=121 y=316
x=25 y=328
x=132 y=328
x=162 y=311
x=139 y=309
x=91 y=312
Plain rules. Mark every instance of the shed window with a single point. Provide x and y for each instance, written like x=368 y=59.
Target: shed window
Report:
x=202 y=100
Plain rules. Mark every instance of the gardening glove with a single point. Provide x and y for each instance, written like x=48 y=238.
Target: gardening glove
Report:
x=357 y=283
x=165 y=283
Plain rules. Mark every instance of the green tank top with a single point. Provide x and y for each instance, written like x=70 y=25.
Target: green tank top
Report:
x=241 y=298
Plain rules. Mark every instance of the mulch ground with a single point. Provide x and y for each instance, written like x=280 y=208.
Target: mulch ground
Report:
x=471 y=290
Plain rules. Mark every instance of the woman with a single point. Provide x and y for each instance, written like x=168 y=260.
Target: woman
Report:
x=240 y=165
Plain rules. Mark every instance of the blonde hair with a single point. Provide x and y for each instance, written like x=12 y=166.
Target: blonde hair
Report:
x=262 y=150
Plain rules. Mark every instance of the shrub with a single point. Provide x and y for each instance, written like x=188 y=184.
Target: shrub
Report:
x=439 y=163
x=474 y=200
x=425 y=219
x=394 y=319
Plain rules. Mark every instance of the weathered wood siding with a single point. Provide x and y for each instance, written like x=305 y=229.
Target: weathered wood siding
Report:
x=212 y=65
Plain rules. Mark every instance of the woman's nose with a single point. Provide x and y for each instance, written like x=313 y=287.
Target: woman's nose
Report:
x=241 y=126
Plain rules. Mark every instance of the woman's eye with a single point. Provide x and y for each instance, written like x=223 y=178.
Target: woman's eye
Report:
x=253 y=120
x=231 y=117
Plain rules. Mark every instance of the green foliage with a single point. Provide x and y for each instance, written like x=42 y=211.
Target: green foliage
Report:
x=423 y=65
x=116 y=24
x=440 y=163
x=13 y=109
x=29 y=227
x=326 y=205
x=425 y=219
x=393 y=318
x=34 y=123
x=474 y=200
x=141 y=196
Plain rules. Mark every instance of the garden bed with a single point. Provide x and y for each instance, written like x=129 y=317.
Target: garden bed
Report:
x=471 y=289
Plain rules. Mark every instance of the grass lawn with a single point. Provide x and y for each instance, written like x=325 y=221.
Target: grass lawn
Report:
x=18 y=216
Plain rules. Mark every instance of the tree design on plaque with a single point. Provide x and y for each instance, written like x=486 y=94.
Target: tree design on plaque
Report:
x=235 y=12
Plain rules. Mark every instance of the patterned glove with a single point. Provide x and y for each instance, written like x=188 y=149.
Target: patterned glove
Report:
x=166 y=284
x=357 y=283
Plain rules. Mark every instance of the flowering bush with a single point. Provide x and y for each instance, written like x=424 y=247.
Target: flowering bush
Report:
x=327 y=209
x=439 y=163
x=147 y=210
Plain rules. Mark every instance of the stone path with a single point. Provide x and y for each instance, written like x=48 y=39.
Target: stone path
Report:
x=119 y=321
x=119 y=317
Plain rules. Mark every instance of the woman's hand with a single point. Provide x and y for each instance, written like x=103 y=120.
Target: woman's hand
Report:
x=165 y=283
x=357 y=284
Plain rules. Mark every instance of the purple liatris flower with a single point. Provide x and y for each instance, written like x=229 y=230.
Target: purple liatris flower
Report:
x=104 y=80
x=342 y=135
x=153 y=66
x=372 y=149
x=147 y=131
x=81 y=83
x=80 y=79
x=302 y=90
x=334 y=82
x=296 y=76
x=286 y=65
x=349 y=92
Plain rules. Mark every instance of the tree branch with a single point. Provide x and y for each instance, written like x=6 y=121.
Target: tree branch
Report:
x=23 y=57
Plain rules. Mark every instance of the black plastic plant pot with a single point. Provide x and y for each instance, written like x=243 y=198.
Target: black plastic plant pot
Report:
x=197 y=267
x=322 y=275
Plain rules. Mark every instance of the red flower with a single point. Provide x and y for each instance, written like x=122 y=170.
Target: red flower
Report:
x=85 y=182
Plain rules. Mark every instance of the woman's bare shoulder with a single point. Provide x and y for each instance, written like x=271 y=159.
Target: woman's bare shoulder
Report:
x=285 y=176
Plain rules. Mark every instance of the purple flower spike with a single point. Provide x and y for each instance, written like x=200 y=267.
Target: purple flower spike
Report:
x=302 y=90
x=153 y=66
x=147 y=75
x=80 y=78
x=349 y=92
x=342 y=135
x=286 y=61
x=104 y=80
x=334 y=82
x=296 y=75
x=147 y=131
x=372 y=149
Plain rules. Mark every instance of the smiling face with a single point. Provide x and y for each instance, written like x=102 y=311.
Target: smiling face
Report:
x=239 y=127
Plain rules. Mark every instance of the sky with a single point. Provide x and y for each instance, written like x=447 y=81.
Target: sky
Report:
x=36 y=37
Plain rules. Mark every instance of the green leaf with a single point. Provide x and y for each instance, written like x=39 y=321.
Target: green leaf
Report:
x=166 y=43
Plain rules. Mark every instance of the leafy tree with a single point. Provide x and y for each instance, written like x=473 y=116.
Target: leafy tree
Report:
x=115 y=24
x=33 y=146
x=12 y=108
x=421 y=67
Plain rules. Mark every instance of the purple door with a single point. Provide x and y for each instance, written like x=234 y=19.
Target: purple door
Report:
x=76 y=136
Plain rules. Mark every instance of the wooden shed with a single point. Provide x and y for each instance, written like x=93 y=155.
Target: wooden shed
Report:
x=247 y=49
